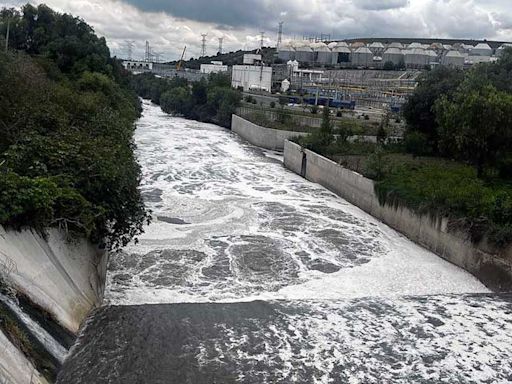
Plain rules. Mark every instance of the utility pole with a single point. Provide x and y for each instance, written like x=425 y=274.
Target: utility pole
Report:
x=221 y=40
x=148 y=52
x=7 y=35
x=203 y=47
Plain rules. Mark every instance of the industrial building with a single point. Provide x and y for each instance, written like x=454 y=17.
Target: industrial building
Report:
x=453 y=59
x=393 y=55
x=249 y=77
x=214 y=67
x=362 y=57
x=137 y=66
x=482 y=49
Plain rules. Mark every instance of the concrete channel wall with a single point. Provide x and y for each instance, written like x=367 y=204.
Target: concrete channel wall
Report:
x=493 y=267
x=65 y=278
x=267 y=138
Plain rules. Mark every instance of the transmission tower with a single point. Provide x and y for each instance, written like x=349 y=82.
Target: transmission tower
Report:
x=129 y=48
x=262 y=39
x=221 y=40
x=147 y=55
x=203 y=49
x=280 y=34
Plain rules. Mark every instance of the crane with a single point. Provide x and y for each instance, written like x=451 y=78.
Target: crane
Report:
x=180 y=63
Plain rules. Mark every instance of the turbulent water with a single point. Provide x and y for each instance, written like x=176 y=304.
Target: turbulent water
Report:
x=341 y=297
x=231 y=223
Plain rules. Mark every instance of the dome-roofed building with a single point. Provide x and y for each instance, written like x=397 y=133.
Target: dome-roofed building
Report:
x=453 y=59
x=362 y=57
x=482 y=49
x=393 y=55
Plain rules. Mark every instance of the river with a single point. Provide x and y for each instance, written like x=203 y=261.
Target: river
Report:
x=263 y=277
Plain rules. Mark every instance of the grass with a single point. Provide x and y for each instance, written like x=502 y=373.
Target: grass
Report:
x=428 y=185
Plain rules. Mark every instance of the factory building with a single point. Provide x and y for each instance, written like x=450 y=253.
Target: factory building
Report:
x=137 y=66
x=252 y=77
x=453 y=59
x=362 y=57
x=214 y=67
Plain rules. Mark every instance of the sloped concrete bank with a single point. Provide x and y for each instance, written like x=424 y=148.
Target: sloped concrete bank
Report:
x=267 y=138
x=48 y=286
x=492 y=266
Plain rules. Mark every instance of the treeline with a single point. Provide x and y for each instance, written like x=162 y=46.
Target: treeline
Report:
x=67 y=118
x=465 y=116
x=212 y=100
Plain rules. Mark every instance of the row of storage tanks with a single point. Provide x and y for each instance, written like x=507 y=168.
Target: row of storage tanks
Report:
x=414 y=55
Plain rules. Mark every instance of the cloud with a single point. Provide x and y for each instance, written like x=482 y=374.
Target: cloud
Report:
x=169 y=25
x=378 y=5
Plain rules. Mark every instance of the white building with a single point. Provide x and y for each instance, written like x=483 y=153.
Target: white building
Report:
x=252 y=77
x=393 y=55
x=362 y=57
x=214 y=67
x=252 y=59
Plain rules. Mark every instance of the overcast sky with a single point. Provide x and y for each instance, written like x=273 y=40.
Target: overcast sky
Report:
x=169 y=25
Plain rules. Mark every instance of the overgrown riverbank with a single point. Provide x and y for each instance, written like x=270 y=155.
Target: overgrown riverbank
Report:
x=212 y=101
x=67 y=118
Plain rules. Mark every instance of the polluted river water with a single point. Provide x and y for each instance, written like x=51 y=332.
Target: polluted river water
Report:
x=251 y=274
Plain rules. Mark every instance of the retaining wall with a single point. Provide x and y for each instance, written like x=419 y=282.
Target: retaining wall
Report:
x=267 y=138
x=67 y=279
x=492 y=266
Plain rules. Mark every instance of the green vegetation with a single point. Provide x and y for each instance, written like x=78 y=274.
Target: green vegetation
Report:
x=212 y=101
x=66 y=120
x=456 y=157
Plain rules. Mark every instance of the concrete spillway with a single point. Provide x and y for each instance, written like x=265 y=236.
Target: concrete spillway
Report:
x=284 y=282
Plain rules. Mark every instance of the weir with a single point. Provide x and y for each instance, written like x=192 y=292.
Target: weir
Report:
x=251 y=274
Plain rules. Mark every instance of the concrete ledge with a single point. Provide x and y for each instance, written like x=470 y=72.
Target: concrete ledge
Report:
x=492 y=266
x=267 y=138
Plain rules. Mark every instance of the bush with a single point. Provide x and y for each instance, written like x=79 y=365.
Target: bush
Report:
x=417 y=144
x=314 y=109
x=272 y=104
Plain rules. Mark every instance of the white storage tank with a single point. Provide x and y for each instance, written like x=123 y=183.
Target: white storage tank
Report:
x=286 y=52
x=482 y=49
x=453 y=59
x=323 y=54
x=362 y=57
x=393 y=55
x=416 y=58
x=303 y=52
x=341 y=53
x=377 y=48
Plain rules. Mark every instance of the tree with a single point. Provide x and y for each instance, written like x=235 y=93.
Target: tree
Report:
x=382 y=132
x=178 y=100
x=476 y=123
x=419 y=109
x=326 y=127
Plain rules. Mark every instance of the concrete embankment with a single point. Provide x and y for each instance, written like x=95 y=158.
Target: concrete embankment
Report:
x=492 y=266
x=267 y=138
x=57 y=282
